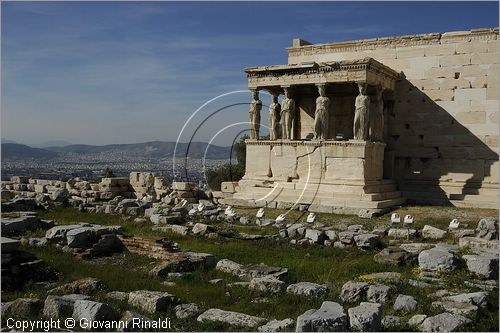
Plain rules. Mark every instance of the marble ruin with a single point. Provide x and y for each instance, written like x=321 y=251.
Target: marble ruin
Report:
x=370 y=124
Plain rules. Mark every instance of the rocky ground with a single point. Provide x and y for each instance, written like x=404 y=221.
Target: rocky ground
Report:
x=209 y=267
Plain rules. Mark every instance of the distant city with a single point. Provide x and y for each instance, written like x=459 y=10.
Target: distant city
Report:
x=90 y=162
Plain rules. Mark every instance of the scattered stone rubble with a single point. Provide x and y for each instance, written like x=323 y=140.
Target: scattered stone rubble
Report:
x=182 y=209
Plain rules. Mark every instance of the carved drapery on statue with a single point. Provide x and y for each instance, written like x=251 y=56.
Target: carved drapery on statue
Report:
x=254 y=115
x=321 y=114
x=362 y=114
x=274 y=118
x=377 y=118
x=287 y=116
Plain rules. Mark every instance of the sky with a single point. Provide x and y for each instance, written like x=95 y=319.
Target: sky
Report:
x=127 y=72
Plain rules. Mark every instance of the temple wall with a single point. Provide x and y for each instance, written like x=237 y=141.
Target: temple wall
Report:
x=443 y=128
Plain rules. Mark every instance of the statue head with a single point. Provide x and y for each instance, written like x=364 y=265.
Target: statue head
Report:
x=321 y=89
x=255 y=94
x=287 y=92
x=362 y=88
x=275 y=97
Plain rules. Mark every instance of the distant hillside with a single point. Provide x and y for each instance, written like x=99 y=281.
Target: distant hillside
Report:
x=19 y=151
x=154 y=149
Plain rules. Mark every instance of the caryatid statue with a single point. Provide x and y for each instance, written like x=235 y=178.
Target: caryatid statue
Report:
x=362 y=113
x=321 y=114
x=274 y=118
x=287 y=115
x=377 y=118
x=254 y=115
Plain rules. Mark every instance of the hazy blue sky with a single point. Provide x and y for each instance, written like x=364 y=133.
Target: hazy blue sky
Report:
x=123 y=72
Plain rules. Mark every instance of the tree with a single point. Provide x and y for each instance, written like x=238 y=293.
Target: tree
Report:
x=231 y=172
x=108 y=173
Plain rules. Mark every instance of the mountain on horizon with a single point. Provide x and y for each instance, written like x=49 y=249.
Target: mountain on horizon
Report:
x=20 y=151
x=153 y=149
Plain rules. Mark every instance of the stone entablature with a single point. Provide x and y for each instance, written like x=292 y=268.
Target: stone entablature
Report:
x=399 y=41
x=365 y=70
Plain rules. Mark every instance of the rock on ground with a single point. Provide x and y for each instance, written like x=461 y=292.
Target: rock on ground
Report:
x=393 y=256
x=132 y=319
x=366 y=317
x=479 y=298
x=444 y=322
x=93 y=311
x=353 y=291
x=61 y=306
x=383 y=277
x=330 y=317
x=416 y=248
x=22 y=308
x=151 y=301
x=378 y=293
x=436 y=259
x=416 y=320
x=231 y=318
x=84 y=286
x=118 y=296
x=366 y=241
x=430 y=232
x=391 y=322
x=485 y=266
x=276 y=325
x=458 y=308
x=268 y=284
x=183 y=311
x=405 y=303
x=307 y=289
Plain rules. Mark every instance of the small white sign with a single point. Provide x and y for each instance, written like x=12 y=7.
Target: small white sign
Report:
x=311 y=218
x=395 y=218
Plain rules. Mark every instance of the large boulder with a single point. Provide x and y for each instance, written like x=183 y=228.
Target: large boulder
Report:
x=444 y=322
x=366 y=317
x=308 y=289
x=437 y=259
x=151 y=301
x=353 y=292
x=231 y=318
x=93 y=311
x=485 y=265
x=430 y=232
x=330 y=317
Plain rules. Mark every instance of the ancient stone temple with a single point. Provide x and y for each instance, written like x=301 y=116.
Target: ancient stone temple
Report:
x=371 y=124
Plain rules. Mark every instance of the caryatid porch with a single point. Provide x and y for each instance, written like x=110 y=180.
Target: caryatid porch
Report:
x=326 y=144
